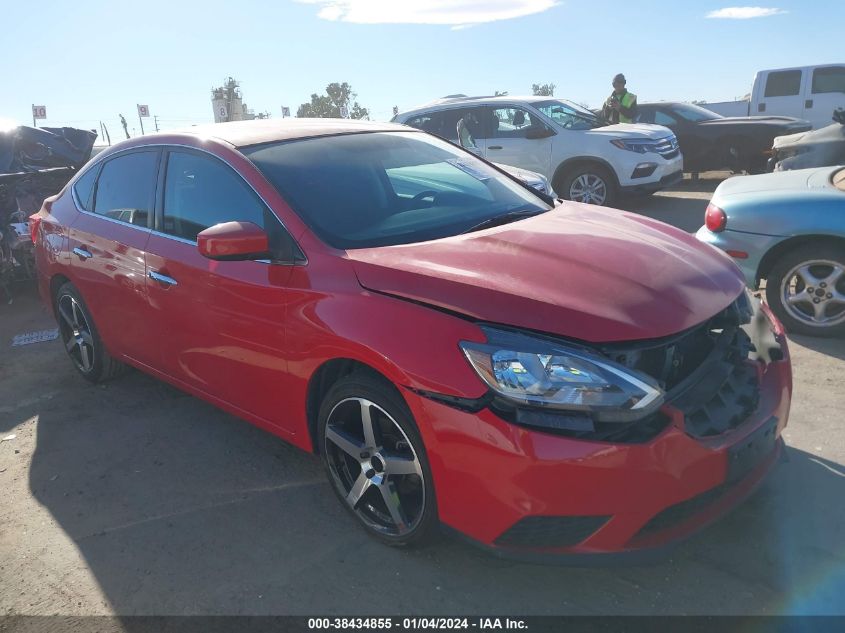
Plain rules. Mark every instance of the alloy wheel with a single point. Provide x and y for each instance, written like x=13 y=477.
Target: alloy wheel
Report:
x=589 y=189
x=813 y=292
x=374 y=466
x=76 y=333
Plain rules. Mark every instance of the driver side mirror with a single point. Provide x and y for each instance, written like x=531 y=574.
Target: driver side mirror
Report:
x=234 y=241
x=536 y=133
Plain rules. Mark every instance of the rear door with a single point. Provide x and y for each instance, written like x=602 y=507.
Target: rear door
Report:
x=781 y=93
x=826 y=93
x=108 y=249
x=220 y=323
x=508 y=141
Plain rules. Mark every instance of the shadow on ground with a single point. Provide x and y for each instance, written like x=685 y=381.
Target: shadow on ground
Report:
x=686 y=214
x=834 y=347
x=179 y=508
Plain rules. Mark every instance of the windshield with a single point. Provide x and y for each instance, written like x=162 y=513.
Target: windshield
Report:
x=568 y=115
x=387 y=188
x=695 y=113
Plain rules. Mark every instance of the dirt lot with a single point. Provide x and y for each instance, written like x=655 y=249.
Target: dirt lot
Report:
x=133 y=498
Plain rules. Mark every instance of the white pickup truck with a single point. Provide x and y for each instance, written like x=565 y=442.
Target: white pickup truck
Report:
x=806 y=92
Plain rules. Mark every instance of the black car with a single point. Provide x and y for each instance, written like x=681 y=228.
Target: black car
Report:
x=710 y=141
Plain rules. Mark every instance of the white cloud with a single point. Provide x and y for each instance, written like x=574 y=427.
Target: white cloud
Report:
x=454 y=13
x=744 y=13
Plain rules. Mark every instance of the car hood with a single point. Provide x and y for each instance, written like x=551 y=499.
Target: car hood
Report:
x=577 y=271
x=798 y=180
x=525 y=175
x=834 y=132
x=781 y=121
x=632 y=131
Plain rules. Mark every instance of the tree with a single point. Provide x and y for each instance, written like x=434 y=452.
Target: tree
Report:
x=543 y=90
x=500 y=93
x=328 y=105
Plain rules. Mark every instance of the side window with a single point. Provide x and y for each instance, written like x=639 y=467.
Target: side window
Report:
x=661 y=118
x=431 y=123
x=444 y=123
x=645 y=115
x=84 y=188
x=784 y=83
x=201 y=191
x=512 y=122
x=830 y=79
x=126 y=188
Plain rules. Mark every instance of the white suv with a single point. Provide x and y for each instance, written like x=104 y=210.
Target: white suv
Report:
x=585 y=160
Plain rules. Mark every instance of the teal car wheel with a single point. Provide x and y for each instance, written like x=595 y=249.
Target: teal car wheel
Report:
x=806 y=289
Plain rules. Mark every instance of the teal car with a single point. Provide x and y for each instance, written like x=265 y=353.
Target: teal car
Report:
x=787 y=229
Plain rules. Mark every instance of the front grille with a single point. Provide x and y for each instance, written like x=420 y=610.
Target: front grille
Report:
x=550 y=531
x=708 y=372
x=668 y=147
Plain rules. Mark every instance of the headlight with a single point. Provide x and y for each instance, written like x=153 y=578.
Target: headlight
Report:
x=542 y=184
x=532 y=371
x=640 y=147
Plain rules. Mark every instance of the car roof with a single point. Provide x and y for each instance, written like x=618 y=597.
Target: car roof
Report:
x=447 y=103
x=243 y=133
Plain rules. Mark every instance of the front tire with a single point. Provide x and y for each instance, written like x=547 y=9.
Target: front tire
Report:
x=590 y=184
x=806 y=290
x=375 y=460
x=81 y=338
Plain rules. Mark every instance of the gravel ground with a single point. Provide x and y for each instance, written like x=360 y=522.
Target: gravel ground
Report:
x=133 y=498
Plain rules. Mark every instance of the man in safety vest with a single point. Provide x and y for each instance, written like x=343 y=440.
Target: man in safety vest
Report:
x=621 y=106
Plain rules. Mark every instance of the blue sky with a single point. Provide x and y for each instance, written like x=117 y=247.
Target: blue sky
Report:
x=89 y=61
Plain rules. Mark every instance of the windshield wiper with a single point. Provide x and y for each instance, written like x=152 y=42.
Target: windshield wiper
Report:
x=504 y=218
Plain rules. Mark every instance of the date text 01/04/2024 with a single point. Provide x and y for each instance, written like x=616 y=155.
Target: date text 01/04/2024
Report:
x=417 y=623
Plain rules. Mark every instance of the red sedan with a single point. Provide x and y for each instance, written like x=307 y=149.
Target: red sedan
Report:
x=545 y=378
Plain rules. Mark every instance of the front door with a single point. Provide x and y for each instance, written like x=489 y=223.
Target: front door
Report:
x=221 y=324
x=508 y=140
x=108 y=243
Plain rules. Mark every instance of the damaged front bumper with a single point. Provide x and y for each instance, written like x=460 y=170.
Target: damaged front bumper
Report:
x=556 y=496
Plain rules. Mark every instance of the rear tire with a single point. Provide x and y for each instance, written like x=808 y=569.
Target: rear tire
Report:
x=81 y=339
x=588 y=183
x=806 y=290
x=375 y=460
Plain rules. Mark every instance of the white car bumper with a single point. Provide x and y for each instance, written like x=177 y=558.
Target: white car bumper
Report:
x=647 y=173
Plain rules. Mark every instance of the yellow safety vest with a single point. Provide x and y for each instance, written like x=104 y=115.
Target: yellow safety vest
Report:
x=627 y=101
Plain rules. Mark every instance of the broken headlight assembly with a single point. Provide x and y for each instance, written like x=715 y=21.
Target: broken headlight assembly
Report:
x=533 y=372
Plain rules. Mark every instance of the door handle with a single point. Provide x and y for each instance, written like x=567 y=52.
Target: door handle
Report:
x=82 y=252
x=808 y=103
x=495 y=147
x=162 y=279
x=761 y=107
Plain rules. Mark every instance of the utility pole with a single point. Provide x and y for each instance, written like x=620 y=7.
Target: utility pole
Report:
x=155 y=118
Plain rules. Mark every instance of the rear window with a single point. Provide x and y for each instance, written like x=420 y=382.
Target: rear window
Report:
x=126 y=188
x=784 y=83
x=830 y=79
x=84 y=188
x=387 y=188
